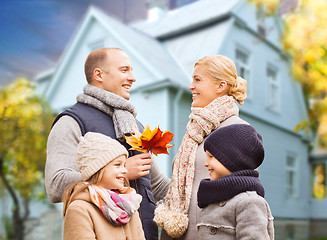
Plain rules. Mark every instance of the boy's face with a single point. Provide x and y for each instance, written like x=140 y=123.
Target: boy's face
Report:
x=215 y=168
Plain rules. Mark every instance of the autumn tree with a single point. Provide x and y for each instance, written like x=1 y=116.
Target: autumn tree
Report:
x=305 y=39
x=24 y=126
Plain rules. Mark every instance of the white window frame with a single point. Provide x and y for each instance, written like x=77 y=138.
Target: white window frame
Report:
x=291 y=171
x=273 y=83
x=243 y=67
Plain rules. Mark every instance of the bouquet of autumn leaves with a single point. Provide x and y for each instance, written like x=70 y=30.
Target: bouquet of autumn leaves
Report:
x=155 y=141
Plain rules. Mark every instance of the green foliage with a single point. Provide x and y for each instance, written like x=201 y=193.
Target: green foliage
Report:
x=25 y=121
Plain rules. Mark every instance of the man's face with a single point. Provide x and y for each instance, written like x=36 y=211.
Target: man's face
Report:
x=118 y=78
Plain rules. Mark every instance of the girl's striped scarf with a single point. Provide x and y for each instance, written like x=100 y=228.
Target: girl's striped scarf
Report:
x=117 y=208
x=172 y=213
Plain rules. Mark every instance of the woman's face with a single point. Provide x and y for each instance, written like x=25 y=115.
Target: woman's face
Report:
x=204 y=89
x=114 y=174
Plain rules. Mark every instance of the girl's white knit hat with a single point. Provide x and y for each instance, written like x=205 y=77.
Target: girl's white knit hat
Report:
x=95 y=151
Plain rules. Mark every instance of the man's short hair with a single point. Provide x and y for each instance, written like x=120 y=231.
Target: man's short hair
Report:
x=97 y=59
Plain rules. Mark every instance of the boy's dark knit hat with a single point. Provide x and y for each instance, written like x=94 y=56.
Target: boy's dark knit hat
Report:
x=238 y=147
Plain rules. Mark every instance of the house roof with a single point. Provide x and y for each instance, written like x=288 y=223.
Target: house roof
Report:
x=190 y=16
x=189 y=48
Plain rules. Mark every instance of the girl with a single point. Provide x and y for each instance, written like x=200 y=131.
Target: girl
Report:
x=102 y=206
x=215 y=90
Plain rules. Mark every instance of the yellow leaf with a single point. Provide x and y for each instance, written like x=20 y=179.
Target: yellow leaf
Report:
x=148 y=134
x=135 y=140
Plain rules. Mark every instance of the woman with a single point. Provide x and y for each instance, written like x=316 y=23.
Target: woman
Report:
x=215 y=90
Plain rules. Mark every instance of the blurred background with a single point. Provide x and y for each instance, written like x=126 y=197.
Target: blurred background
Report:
x=278 y=46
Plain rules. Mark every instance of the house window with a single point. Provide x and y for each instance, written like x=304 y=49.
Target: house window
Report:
x=242 y=63
x=273 y=89
x=291 y=176
x=319 y=181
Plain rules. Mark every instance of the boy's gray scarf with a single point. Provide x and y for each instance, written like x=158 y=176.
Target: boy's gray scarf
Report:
x=123 y=113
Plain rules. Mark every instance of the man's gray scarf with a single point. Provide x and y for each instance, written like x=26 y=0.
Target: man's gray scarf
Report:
x=123 y=113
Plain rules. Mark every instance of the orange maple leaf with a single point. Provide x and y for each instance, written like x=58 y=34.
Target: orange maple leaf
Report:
x=155 y=141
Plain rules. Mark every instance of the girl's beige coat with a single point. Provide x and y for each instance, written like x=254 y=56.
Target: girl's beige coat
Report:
x=85 y=221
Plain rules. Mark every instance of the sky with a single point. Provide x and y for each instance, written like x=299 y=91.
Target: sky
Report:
x=34 y=33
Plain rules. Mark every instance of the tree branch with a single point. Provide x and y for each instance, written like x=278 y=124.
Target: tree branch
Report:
x=26 y=208
x=8 y=186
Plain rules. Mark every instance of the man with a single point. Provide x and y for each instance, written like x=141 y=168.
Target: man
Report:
x=103 y=107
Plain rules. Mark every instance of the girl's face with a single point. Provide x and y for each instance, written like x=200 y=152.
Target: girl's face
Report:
x=114 y=174
x=204 y=89
x=215 y=168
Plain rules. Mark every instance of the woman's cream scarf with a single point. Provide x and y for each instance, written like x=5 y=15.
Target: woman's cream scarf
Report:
x=172 y=213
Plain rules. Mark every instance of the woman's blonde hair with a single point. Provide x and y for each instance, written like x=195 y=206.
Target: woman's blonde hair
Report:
x=221 y=68
x=70 y=192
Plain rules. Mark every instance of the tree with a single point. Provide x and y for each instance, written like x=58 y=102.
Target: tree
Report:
x=25 y=121
x=305 y=40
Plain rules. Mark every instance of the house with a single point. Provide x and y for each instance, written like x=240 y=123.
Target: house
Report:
x=163 y=50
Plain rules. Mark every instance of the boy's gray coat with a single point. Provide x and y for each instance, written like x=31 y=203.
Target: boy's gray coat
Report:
x=245 y=216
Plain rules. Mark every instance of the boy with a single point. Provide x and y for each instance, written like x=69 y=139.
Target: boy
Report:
x=232 y=200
